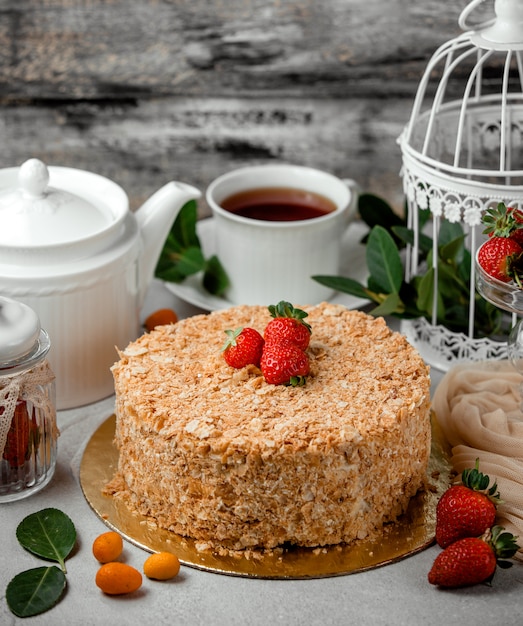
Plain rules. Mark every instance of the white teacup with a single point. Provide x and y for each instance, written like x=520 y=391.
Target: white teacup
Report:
x=269 y=261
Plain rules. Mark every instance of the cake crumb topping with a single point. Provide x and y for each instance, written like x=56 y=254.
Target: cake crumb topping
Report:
x=218 y=454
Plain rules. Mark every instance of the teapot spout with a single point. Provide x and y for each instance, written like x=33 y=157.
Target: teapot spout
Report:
x=155 y=219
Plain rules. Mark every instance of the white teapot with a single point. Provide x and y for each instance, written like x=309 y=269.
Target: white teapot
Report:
x=71 y=249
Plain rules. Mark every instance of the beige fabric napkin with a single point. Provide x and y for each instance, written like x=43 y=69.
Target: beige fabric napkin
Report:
x=478 y=406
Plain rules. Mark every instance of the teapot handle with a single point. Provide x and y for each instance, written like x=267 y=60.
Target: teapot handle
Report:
x=155 y=219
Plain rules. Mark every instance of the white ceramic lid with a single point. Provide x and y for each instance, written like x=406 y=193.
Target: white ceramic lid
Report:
x=19 y=330
x=34 y=213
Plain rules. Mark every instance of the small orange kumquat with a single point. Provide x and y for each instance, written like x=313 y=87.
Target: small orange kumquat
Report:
x=160 y=318
x=107 y=547
x=161 y=566
x=117 y=578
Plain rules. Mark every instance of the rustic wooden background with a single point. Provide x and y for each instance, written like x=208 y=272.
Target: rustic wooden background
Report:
x=145 y=91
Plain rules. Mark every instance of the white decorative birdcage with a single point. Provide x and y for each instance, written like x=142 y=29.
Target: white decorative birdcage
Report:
x=462 y=153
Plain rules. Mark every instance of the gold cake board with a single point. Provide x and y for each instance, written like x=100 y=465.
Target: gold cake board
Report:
x=411 y=533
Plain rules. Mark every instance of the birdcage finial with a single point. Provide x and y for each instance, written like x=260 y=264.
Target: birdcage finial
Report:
x=506 y=28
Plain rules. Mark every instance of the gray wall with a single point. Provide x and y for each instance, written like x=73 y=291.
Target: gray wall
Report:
x=153 y=90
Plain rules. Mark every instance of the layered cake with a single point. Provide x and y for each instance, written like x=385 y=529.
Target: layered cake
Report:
x=220 y=455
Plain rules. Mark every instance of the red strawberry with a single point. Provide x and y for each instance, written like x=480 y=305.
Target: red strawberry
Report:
x=517 y=233
x=498 y=255
x=467 y=509
x=243 y=347
x=16 y=447
x=473 y=560
x=283 y=363
x=288 y=325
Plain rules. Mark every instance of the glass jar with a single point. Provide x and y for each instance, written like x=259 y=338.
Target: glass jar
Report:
x=28 y=430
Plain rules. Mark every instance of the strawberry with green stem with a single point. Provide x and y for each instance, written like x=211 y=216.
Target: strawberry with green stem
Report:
x=504 y=221
x=473 y=560
x=243 y=347
x=467 y=509
x=500 y=258
x=288 y=324
x=501 y=255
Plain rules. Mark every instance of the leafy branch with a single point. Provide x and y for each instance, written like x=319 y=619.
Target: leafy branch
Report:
x=51 y=535
x=182 y=255
x=393 y=295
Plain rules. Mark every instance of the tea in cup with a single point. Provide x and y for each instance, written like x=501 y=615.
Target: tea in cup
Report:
x=276 y=226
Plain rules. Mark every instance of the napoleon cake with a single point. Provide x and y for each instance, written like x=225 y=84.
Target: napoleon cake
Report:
x=219 y=455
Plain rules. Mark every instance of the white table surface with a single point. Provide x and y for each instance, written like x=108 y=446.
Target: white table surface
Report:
x=396 y=594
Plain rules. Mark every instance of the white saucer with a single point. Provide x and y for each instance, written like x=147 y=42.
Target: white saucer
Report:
x=353 y=265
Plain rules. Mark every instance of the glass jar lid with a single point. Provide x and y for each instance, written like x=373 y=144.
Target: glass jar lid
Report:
x=22 y=341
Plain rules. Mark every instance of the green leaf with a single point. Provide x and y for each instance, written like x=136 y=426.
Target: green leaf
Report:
x=215 y=278
x=343 y=284
x=450 y=284
x=35 y=591
x=384 y=261
x=426 y=294
x=191 y=261
x=48 y=533
x=406 y=235
x=375 y=287
x=391 y=304
x=183 y=230
x=408 y=296
x=170 y=274
x=425 y=285
x=452 y=251
x=464 y=268
x=449 y=231
x=182 y=254
x=424 y=216
x=375 y=211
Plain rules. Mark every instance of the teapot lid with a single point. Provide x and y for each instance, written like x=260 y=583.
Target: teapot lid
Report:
x=19 y=330
x=38 y=214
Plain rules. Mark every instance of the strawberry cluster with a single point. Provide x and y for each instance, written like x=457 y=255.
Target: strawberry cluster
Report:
x=465 y=528
x=280 y=353
x=501 y=256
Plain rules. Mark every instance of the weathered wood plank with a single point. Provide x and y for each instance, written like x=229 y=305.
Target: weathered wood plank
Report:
x=92 y=49
x=195 y=140
x=145 y=91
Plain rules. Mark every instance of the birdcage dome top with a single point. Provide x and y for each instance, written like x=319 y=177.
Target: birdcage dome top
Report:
x=463 y=144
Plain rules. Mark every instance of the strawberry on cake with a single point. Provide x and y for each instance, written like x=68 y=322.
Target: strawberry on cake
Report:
x=234 y=459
